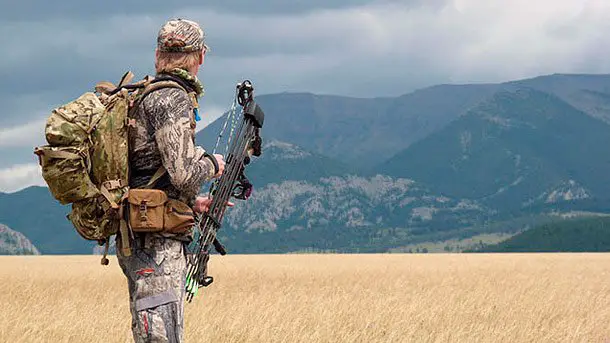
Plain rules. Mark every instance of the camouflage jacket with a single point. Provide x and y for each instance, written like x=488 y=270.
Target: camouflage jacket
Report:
x=165 y=134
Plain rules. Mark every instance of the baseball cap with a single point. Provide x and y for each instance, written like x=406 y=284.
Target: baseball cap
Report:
x=180 y=35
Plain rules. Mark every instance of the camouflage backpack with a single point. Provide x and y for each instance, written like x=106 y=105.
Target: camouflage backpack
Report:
x=86 y=160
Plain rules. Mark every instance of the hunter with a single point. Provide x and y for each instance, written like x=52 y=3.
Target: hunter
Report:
x=163 y=136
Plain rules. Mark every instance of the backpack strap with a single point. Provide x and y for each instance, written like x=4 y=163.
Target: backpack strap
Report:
x=126 y=79
x=108 y=88
x=158 y=174
x=105 y=260
x=124 y=229
x=155 y=85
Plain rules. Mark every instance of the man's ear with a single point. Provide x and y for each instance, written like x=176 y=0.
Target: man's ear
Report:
x=156 y=58
x=201 y=57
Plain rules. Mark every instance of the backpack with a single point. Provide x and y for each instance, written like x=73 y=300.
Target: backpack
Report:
x=86 y=160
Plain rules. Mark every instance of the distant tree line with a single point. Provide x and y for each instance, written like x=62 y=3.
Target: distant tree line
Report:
x=574 y=235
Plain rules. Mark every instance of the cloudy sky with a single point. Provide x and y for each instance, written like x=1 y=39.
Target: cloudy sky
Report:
x=52 y=51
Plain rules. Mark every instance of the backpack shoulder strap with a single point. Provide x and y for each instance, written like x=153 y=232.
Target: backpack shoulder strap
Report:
x=160 y=84
x=142 y=88
x=153 y=180
x=155 y=85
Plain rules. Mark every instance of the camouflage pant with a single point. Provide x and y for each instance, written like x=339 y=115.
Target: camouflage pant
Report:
x=156 y=272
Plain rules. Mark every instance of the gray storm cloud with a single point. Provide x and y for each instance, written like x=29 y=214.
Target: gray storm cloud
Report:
x=393 y=47
x=40 y=9
x=382 y=48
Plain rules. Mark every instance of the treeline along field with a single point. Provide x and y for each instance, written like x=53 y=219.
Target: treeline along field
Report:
x=575 y=235
x=326 y=298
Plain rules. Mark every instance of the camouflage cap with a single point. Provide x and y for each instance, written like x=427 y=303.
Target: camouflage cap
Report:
x=180 y=35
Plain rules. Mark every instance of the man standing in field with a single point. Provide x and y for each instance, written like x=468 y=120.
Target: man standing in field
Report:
x=164 y=137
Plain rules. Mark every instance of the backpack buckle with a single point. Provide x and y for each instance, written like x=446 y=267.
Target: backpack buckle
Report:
x=114 y=184
x=130 y=122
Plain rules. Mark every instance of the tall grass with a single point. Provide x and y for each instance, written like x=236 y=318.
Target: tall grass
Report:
x=326 y=298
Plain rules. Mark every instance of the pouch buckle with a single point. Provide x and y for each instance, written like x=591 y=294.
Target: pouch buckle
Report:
x=143 y=209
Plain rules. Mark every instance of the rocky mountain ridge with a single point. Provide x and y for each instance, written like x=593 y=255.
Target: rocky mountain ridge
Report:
x=15 y=243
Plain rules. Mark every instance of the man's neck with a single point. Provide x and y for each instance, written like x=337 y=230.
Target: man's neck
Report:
x=187 y=77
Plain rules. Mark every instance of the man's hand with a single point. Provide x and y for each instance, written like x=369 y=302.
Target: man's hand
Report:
x=202 y=204
x=221 y=165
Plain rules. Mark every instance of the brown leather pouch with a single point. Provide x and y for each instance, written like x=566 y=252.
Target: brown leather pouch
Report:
x=146 y=209
x=179 y=217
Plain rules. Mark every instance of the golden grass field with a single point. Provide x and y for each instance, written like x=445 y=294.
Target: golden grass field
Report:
x=326 y=298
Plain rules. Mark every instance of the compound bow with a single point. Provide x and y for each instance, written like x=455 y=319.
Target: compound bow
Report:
x=233 y=183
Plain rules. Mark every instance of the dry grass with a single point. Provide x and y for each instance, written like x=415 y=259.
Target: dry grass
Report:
x=326 y=298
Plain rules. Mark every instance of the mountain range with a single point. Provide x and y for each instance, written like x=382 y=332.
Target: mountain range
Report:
x=15 y=243
x=371 y=175
x=366 y=132
x=511 y=149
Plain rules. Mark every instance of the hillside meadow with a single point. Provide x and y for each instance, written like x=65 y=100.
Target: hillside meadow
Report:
x=326 y=298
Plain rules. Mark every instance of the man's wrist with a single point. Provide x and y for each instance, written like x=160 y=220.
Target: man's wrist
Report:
x=214 y=162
